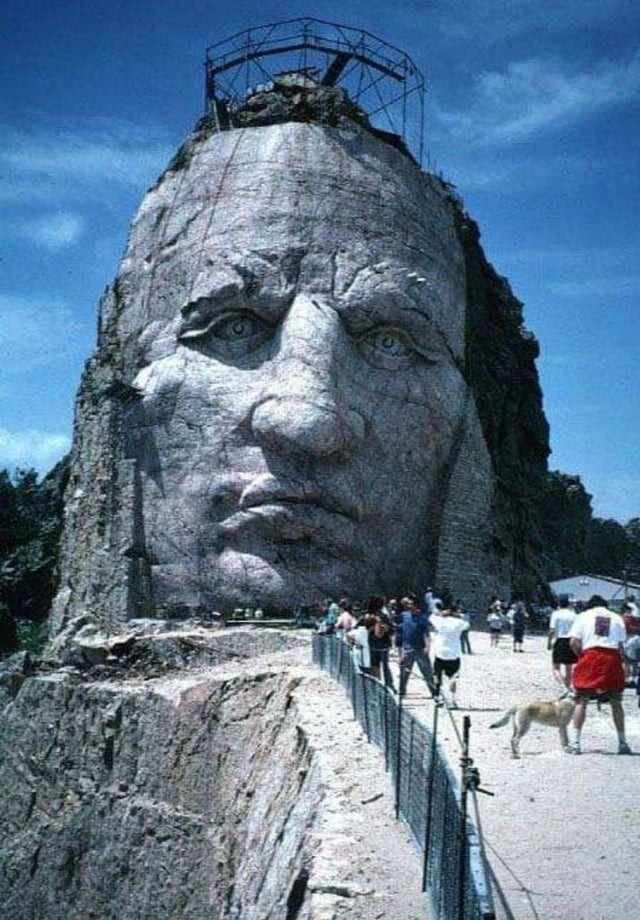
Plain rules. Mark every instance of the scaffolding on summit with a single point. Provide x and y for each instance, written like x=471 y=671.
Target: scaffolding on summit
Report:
x=309 y=57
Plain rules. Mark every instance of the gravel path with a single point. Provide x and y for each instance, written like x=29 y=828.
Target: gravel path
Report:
x=367 y=868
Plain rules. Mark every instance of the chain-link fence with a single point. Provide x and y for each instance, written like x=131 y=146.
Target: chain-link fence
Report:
x=429 y=798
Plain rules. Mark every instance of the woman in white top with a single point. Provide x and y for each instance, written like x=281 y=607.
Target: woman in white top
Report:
x=562 y=655
x=359 y=640
x=448 y=627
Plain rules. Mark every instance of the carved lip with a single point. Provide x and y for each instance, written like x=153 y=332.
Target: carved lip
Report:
x=273 y=492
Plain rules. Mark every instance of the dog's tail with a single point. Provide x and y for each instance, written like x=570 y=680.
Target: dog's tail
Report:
x=504 y=718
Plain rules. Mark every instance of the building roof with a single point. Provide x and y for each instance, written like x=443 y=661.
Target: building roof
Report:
x=582 y=587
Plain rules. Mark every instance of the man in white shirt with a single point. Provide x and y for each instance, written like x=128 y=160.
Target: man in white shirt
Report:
x=597 y=638
x=563 y=657
x=448 y=627
x=632 y=607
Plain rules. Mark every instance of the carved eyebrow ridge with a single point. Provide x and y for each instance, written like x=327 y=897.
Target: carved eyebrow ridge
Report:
x=205 y=309
x=395 y=307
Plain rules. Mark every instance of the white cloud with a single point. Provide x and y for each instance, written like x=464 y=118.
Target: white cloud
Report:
x=32 y=448
x=95 y=150
x=54 y=231
x=496 y=20
x=537 y=95
x=56 y=162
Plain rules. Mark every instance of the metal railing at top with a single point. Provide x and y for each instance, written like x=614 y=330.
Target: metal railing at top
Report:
x=429 y=798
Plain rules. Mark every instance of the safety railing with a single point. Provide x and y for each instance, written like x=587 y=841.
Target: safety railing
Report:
x=429 y=798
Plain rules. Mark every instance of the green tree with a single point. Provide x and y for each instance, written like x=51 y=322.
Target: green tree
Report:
x=30 y=528
x=606 y=548
x=632 y=530
x=566 y=518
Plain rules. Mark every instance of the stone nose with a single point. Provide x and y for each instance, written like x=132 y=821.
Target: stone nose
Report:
x=299 y=425
x=307 y=407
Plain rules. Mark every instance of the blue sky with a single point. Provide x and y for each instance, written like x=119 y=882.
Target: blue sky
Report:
x=533 y=112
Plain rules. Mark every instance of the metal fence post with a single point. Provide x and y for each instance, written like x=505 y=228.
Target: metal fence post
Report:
x=385 y=716
x=365 y=693
x=352 y=687
x=430 y=784
x=465 y=763
x=398 y=754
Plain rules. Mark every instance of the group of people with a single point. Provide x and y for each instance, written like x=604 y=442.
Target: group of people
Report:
x=417 y=630
x=595 y=652
x=514 y=618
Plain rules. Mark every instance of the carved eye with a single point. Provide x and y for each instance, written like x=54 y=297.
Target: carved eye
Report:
x=229 y=336
x=389 y=342
x=237 y=328
x=386 y=346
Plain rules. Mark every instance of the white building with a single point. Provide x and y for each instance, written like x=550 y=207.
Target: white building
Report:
x=582 y=587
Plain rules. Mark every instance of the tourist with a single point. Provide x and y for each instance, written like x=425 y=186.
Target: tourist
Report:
x=597 y=637
x=346 y=620
x=563 y=657
x=414 y=645
x=494 y=622
x=519 y=617
x=430 y=601
x=449 y=627
x=632 y=607
x=465 y=638
x=380 y=642
x=632 y=644
x=358 y=638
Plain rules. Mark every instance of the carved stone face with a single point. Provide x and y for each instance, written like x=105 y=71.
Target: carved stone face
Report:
x=302 y=402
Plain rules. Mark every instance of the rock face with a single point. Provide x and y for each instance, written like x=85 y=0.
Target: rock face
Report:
x=189 y=798
x=157 y=785
x=294 y=390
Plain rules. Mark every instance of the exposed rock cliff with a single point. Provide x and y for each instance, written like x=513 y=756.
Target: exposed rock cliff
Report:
x=157 y=786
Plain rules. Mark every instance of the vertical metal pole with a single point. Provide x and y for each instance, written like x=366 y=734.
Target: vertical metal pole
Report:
x=365 y=693
x=352 y=682
x=206 y=87
x=464 y=762
x=398 y=755
x=404 y=105
x=430 y=784
x=410 y=764
x=421 y=97
x=385 y=716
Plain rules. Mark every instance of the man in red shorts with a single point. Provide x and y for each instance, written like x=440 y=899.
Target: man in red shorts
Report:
x=597 y=638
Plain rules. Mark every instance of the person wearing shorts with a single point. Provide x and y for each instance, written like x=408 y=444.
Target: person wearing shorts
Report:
x=518 y=624
x=448 y=626
x=563 y=657
x=494 y=622
x=597 y=637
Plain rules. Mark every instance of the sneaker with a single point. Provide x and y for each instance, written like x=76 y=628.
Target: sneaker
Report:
x=623 y=748
x=574 y=748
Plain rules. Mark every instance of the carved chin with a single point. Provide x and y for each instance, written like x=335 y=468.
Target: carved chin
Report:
x=277 y=575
